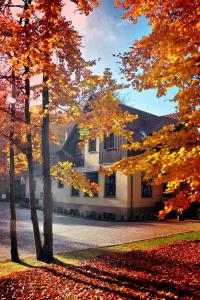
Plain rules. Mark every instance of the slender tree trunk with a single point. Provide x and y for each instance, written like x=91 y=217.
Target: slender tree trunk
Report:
x=48 y=200
x=13 y=231
x=34 y=218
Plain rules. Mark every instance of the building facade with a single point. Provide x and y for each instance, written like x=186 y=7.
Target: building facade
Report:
x=121 y=197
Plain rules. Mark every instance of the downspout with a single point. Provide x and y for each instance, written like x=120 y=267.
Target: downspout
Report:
x=131 y=204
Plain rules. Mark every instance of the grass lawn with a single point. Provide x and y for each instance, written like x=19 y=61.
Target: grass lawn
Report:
x=74 y=258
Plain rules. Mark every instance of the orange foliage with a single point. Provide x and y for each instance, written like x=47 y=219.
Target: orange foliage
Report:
x=168 y=57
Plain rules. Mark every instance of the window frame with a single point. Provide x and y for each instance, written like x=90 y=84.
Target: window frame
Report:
x=77 y=149
x=91 y=144
x=60 y=185
x=75 y=192
x=107 y=140
x=96 y=195
x=146 y=189
x=106 y=185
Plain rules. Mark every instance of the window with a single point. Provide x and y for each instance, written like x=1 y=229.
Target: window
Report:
x=60 y=184
x=75 y=192
x=146 y=188
x=92 y=177
x=77 y=149
x=168 y=195
x=142 y=132
x=110 y=186
x=109 y=141
x=92 y=145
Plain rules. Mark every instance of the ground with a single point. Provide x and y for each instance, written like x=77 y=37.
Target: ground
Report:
x=75 y=234
x=167 y=272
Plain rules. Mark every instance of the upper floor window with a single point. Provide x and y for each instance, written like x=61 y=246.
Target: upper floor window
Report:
x=92 y=145
x=77 y=149
x=110 y=186
x=75 y=192
x=146 y=188
x=60 y=184
x=109 y=141
x=92 y=177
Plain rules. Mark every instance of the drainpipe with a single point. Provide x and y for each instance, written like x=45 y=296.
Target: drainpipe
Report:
x=131 y=204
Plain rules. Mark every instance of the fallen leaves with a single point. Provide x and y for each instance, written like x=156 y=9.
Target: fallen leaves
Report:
x=167 y=272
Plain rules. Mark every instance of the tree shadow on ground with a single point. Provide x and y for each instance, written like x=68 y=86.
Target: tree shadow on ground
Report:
x=169 y=272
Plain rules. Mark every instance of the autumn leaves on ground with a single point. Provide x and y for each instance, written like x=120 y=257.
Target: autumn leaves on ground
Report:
x=167 y=272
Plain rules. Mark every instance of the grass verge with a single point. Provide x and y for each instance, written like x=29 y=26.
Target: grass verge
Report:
x=73 y=258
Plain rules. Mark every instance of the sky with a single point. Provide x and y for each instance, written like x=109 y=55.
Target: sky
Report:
x=104 y=34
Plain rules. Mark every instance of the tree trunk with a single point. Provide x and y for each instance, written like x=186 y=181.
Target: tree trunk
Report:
x=13 y=231
x=34 y=218
x=48 y=200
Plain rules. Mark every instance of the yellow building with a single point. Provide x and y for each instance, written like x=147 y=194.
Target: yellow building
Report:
x=121 y=197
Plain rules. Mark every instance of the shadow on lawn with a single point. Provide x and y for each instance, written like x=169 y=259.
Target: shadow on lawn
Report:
x=122 y=285
x=26 y=264
x=140 y=272
x=155 y=274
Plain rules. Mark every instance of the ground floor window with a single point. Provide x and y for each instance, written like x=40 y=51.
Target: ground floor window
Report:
x=60 y=184
x=146 y=188
x=110 y=186
x=92 y=177
x=75 y=192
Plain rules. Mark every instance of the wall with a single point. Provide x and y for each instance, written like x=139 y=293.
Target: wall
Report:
x=38 y=190
x=118 y=205
x=139 y=204
x=91 y=159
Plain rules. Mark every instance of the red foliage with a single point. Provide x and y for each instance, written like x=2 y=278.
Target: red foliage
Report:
x=168 y=272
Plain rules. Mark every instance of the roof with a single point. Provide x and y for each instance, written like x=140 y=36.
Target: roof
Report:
x=146 y=123
x=60 y=131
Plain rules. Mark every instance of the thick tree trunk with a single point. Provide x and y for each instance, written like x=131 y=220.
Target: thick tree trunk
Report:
x=13 y=230
x=48 y=201
x=34 y=218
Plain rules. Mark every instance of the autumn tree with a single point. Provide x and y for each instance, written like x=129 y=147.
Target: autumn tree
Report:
x=43 y=42
x=31 y=44
x=13 y=32
x=168 y=57
x=7 y=114
x=10 y=136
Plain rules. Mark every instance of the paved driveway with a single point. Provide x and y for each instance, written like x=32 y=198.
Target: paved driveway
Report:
x=73 y=233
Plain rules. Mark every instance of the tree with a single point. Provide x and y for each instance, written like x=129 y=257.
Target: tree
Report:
x=7 y=114
x=168 y=57
x=13 y=230
x=43 y=42
x=13 y=27
x=31 y=45
x=10 y=121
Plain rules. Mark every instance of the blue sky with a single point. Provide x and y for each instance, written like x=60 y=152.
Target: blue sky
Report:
x=104 y=34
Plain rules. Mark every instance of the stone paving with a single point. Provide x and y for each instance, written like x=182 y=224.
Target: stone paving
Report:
x=72 y=233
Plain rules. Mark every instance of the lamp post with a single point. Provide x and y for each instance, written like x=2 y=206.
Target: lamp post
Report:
x=13 y=232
